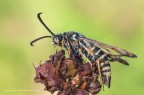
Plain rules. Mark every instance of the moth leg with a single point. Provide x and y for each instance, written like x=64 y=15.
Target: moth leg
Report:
x=117 y=58
x=62 y=44
x=61 y=48
x=71 y=54
x=99 y=71
x=85 y=58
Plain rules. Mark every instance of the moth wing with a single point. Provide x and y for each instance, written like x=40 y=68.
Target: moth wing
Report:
x=107 y=48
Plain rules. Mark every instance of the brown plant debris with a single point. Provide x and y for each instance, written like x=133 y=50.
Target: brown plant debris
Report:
x=68 y=76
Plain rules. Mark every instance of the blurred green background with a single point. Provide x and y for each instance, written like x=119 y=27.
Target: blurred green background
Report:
x=115 y=22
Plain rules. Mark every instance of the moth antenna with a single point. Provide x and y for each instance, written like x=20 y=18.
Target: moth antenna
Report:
x=31 y=43
x=39 y=17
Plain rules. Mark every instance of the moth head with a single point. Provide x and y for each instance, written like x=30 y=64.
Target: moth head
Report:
x=57 y=39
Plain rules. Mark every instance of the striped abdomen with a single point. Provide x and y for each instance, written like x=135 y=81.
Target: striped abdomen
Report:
x=94 y=53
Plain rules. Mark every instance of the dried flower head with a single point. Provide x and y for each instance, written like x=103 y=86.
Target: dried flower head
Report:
x=68 y=76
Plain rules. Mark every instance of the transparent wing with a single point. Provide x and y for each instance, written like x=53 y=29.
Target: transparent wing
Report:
x=107 y=48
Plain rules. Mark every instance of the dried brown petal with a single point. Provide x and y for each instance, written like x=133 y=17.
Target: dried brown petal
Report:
x=58 y=57
x=49 y=88
x=76 y=80
x=69 y=76
x=62 y=93
x=66 y=85
x=83 y=85
x=71 y=69
x=80 y=92
x=94 y=87
x=55 y=81
x=43 y=72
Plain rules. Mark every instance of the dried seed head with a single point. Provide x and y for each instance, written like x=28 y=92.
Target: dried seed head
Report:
x=69 y=76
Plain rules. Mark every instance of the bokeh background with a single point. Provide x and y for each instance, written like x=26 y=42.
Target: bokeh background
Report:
x=115 y=22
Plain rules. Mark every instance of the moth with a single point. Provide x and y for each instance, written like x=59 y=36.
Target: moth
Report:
x=95 y=51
